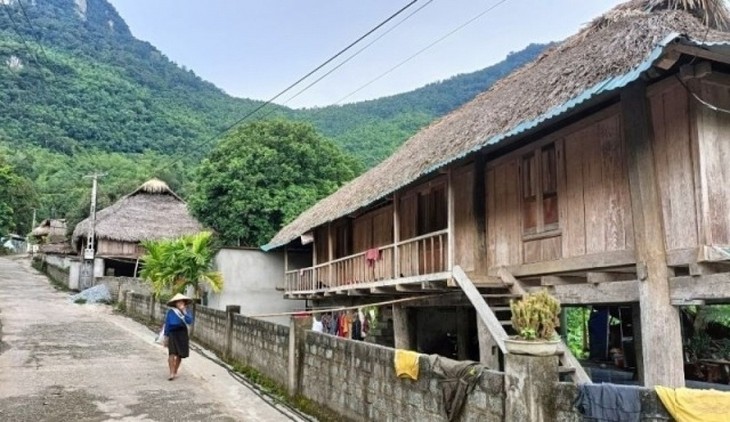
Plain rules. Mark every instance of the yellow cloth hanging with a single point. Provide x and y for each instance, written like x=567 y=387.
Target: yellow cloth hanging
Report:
x=688 y=405
x=406 y=364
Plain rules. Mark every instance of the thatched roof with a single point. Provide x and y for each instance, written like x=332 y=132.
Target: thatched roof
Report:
x=600 y=59
x=50 y=227
x=152 y=211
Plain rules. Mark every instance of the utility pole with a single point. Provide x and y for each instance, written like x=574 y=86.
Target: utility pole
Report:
x=89 y=251
x=86 y=274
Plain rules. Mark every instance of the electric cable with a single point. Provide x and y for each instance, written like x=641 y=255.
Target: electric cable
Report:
x=35 y=33
x=419 y=52
x=291 y=86
x=17 y=31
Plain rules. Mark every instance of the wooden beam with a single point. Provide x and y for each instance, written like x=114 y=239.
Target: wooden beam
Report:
x=700 y=52
x=490 y=320
x=479 y=202
x=565 y=265
x=715 y=287
x=593 y=294
x=668 y=59
x=711 y=253
x=396 y=235
x=509 y=280
x=661 y=332
x=606 y=276
x=451 y=219
x=555 y=280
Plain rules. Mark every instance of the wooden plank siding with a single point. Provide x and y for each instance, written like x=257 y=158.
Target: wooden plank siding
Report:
x=113 y=248
x=714 y=156
x=674 y=168
x=465 y=230
x=593 y=198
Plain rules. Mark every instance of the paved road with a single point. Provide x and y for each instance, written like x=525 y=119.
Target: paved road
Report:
x=61 y=361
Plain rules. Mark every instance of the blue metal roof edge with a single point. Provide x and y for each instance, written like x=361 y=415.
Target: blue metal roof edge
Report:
x=607 y=85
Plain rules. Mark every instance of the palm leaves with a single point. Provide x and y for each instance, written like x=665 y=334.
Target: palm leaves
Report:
x=174 y=265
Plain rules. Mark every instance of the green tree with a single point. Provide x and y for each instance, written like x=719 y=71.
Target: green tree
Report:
x=264 y=174
x=173 y=265
x=17 y=199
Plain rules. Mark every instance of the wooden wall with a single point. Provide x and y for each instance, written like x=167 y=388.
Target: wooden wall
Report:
x=592 y=194
x=713 y=160
x=465 y=228
x=111 y=248
x=670 y=111
x=373 y=229
x=596 y=210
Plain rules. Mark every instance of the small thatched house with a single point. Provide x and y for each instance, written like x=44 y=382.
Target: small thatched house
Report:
x=50 y=230
x=599 y=171
x=153 y=211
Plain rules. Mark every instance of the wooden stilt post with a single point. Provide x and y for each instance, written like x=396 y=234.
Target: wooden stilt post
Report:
x=402 y=328
x=660 y=324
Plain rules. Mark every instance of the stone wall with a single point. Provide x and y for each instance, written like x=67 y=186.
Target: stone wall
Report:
x=210 y=327
x=262 y=345
x=358 y=379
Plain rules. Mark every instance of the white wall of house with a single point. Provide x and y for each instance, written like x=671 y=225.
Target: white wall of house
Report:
x=251 y=278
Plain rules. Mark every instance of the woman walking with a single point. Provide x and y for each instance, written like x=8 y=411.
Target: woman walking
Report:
x=177 y=321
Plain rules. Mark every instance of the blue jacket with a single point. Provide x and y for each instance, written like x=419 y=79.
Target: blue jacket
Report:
x=174 y=322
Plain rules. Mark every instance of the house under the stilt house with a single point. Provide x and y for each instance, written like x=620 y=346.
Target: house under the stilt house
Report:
x=599 y=171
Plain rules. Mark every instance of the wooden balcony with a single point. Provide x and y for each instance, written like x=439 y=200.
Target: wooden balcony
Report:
x=421 y=258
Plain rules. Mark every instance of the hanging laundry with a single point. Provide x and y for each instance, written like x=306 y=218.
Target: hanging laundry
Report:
x=357 y=329
x=317 y=325
x=457 y=380
x=371 y=256
x=609 y=402
x=345 y=325
x=689 y=405
x=406 y=364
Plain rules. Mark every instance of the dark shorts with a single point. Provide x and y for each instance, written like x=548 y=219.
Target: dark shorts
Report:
x=178 y=343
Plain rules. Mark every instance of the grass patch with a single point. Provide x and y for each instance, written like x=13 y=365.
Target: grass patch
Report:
x=80 y=301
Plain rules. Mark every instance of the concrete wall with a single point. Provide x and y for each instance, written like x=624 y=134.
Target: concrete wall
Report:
x=251 y=278
x=357 y=379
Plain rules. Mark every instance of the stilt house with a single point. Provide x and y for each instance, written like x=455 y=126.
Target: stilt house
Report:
x=153 y=211
x=601 y=171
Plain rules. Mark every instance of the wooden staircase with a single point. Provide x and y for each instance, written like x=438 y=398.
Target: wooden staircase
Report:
x=493 y=309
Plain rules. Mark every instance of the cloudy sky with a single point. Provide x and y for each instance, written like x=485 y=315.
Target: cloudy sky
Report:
x=254 y=48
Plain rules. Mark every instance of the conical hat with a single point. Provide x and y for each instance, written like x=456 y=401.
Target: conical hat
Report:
x=177 y=297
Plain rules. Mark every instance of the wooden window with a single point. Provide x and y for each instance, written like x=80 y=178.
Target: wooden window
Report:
x=432 y=210
x=540 y=191
x=342 y=238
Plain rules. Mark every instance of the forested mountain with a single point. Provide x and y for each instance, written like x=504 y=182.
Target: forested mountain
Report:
x=78 y=93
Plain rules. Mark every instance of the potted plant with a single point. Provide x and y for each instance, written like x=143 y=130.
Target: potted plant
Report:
x=534 y=317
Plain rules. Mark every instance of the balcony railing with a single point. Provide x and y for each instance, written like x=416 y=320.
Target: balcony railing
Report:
x=422 y=255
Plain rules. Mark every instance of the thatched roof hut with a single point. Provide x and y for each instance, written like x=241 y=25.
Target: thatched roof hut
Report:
x=152 y=211
x=591 y=66
x=51 y=229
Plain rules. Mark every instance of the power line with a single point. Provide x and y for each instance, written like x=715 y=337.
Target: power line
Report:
x=357 y=53
x=17 y=31
x=419 y=52
x=35 y=33
x=310 y=73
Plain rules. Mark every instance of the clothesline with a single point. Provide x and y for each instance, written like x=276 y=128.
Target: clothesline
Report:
x=348 y=308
